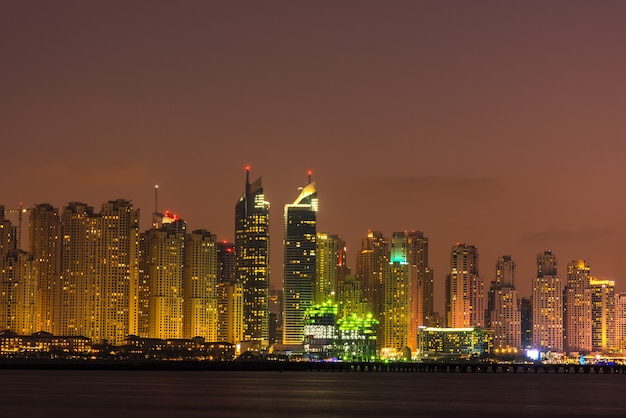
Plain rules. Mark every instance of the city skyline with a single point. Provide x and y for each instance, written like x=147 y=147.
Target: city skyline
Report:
x=493 y=124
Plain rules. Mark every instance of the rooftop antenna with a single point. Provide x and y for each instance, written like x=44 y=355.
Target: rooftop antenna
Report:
x=309 y=173
x=156 y=199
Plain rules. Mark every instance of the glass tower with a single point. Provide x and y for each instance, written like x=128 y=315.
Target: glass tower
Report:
x=300 y=261
x=252 y=249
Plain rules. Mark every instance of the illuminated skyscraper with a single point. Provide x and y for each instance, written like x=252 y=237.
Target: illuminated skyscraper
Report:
x=371 y=263
x=225 y=280
x=547 y=305
x=330 y=256
x=18 y=287
x=81 y=252
x=252 y=245
x=164 y=259
x=399 y=311
x=200 y=299
x=119 y=270
x=503 y=313
x=577 y=309
x=45 y=247
x=603 y=314
x=8 y=234
x=99 y=271
x=417 y=255
x=465 y=297
x=300 y=261
x=620 y=321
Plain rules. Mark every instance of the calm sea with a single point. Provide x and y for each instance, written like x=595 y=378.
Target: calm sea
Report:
x=117 y=394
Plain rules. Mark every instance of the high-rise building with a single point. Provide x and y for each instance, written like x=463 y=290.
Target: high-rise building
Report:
x=276 y=316
x=98 y=283
x=330 y=258
x=163 y=250
x=18 y=289
x=119 y=270
x=577 y=309
x=252 y=244
x=8 y=234
x=371 y=263
x=81 y=253
x=300 y=261
x=547 y=305
x=200 y=299
x=350 y=298
x=603 y=323
x=226 y=274
x=620 y=322
x=465 y=298
x=417 y=255
x=45 y=247
x=526 y=315
x=503 y=313
x=400 y=302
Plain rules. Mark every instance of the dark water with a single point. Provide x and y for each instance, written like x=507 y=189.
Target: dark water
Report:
x=68 y=393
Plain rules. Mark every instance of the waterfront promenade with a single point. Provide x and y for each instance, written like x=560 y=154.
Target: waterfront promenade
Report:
x=290 y=366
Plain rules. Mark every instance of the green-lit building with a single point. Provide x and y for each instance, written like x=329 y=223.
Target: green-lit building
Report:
x=459 y=343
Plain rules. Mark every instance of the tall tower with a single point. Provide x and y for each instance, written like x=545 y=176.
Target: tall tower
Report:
x=620 y=321
x=465 y=298
x=119 y=277
x=45 y=247
x=417 y=256
x=300 y=261
x=330 y=256
x=547 y=305
x=371 y=263
x=164 y=259
x=503 y=313
x=399 y=311
x=80 y=287
x=226 y=284
x=252 y=244
x=603 y=315
x=200 y=302
x=17 y=292
x=577 y=309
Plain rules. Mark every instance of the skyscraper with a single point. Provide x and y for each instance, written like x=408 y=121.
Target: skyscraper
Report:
x=300 y=261
x=417 y=255
x=163 y=263
x=371 y=263
x=465 y=298
x=330 y=258
x=603 y=314
x=200 y=299
x=45 y=247
x=252 y=249
x=81 y=254
x=119 y=277
x=18 y=289
x=400 y=301
x=503 y=313
x=98 y=285
x=620 y=321
x=547 y=305
x=577 y=309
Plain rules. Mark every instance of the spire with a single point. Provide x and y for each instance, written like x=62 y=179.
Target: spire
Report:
x=247 y=180
x=309 y=173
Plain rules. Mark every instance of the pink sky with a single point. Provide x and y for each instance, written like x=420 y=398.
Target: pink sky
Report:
x=498 y=124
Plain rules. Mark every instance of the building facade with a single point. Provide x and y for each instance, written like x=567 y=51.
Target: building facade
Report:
x=299 y=261
x=252 y=244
